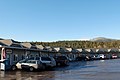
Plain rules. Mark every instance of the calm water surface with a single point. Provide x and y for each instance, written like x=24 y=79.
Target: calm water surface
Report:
x=91 y=70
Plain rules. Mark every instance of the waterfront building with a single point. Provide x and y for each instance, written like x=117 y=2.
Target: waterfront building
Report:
x=13 y=51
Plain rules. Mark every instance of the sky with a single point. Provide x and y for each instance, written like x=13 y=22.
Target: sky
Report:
x=54 y=20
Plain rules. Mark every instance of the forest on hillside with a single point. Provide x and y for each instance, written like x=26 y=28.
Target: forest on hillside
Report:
x=81 y=44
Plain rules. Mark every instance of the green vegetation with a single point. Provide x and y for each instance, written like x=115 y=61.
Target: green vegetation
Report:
x=81 y=44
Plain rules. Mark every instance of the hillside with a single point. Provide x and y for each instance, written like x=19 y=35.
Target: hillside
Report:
x=102 y=39
x=93 y=43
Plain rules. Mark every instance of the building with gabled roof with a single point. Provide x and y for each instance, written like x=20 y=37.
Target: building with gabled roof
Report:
x=15 y=51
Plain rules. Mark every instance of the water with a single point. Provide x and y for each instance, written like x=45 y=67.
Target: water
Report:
x=91 y=70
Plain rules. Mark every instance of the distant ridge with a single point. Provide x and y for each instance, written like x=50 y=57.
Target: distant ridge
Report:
x=97 y=39
x=102 y=39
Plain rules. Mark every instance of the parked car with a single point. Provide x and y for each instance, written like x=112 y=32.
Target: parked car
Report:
x=114 y=56
x=47 y=61
x=101 y=56
x=80 y=58
x=32 y=65
x=94 y=57
x=83 y=58
x=18 y=64
x=62 y=60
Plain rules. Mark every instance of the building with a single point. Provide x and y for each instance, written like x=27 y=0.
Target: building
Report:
x=13 y=51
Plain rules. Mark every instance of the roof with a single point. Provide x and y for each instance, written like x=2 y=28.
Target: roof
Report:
x=48 y=48
x=2 y=44
x=26 y=45
x=102 y=50
x=10 y=42
x=57 y=49
x=40 y=47
x=87 y=50
x=79 y=50
x=68 y=49
x=7 y=42
x=93 y=50
x=113 y=50
x=62 y=50
x=16 y=45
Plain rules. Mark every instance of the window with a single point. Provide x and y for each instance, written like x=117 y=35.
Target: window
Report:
x=22 y=61
x=23 y=57
x=31 y=62
x=45 y=59
x=31 y=57
x=37 y=58
x=15 y=57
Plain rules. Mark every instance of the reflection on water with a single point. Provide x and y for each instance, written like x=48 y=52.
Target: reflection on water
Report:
x=97 y=70
x=102 y=60
x=2 y=73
